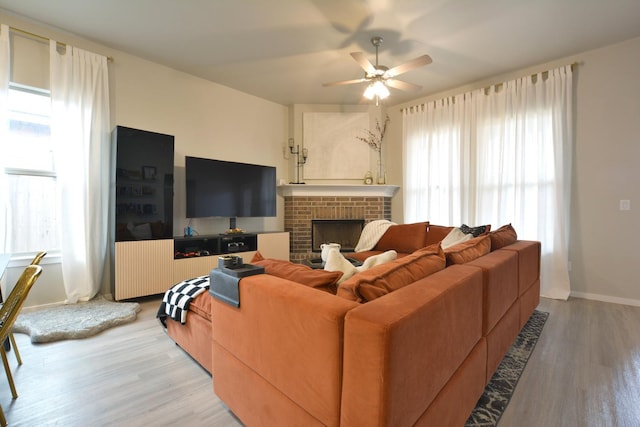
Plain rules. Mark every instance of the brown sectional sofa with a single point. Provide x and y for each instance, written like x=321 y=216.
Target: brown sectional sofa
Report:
x=419 y=355
x=195 y=336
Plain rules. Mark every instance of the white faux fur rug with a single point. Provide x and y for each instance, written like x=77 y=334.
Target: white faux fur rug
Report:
x=73 y=321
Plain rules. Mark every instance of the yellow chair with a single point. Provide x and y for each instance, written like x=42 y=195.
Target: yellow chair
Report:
x=36 y=261
x=8 y=314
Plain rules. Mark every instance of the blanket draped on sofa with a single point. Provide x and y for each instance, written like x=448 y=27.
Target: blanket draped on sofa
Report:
x=177 y=299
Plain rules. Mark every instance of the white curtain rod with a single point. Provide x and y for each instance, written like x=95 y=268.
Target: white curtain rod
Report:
x=572 y=65
x=30 y=34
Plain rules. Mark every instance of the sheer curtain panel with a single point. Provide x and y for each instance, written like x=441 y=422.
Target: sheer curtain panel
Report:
x=80 y=133
x=4 y=128
x=495 y=156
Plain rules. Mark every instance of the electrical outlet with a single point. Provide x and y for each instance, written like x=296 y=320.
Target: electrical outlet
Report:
x=625 y=205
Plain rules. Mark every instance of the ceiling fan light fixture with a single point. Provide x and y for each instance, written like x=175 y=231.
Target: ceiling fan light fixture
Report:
x=376 y=89
x=380 y=76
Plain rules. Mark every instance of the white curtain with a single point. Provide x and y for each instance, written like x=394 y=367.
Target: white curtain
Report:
x=4 y=129
x=80 y=134
x=495 y=156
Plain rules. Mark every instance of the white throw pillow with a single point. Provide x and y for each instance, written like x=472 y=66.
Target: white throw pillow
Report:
x=374 y=260
x=337 y=262
x=454 y=237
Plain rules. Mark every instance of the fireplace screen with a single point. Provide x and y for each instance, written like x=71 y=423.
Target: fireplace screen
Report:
x=344 y=231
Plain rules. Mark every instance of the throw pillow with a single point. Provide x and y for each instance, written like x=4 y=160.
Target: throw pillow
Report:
x=374 y=260
x=337 y=262
x=454 y=237
x=469 y=250
x=383 y=279
x=257 y=257
x=404 y=238
x=314 y=278
x=475 y=231
x=436 y=233
x=503 y=236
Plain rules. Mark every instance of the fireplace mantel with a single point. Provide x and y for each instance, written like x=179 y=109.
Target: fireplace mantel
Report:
x=339 y=190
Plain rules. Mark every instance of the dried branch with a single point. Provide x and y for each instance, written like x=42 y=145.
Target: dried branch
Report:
x=374 y=140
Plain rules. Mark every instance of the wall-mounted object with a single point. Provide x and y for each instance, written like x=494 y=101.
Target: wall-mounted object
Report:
x=299 y=163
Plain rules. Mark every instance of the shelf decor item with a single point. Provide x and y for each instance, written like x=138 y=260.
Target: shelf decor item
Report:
x=368 y=178
x=374 y=140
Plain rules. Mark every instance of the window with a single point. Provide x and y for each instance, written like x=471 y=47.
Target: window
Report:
x=30 y=170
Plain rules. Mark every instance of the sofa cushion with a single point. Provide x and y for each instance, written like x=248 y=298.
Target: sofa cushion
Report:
x=503 y=236
x=314 y=278
x=469 y=250
x=201 y=305
x=436 y=233
x=405 y=238
x=385 y=278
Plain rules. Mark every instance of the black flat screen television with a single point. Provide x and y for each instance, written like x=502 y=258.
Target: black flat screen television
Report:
x=218 y=188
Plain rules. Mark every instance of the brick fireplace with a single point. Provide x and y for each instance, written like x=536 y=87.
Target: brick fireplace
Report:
x=306 y=203
x=346 y=232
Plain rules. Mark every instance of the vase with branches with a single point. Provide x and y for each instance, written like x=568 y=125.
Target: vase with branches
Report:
x=374 y=140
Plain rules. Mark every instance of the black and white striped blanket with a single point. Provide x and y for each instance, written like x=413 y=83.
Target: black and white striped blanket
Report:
x=177 y=299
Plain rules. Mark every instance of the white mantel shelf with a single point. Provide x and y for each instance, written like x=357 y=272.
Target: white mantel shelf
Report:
x=339 y=190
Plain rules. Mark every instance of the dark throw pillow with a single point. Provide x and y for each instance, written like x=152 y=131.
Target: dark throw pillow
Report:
x=475 y=231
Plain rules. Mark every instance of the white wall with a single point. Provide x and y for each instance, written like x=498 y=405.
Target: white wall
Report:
x=605 y=261
x=207 y=120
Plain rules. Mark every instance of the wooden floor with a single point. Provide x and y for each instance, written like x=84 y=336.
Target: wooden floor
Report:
x=585 y=371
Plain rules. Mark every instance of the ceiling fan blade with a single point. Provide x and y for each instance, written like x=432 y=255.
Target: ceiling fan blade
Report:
x=398 y=84
x=408 y=66
x=345 y=82
x=364 y=62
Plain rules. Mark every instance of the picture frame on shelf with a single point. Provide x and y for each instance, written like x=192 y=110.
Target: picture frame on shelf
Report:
x=149 y=172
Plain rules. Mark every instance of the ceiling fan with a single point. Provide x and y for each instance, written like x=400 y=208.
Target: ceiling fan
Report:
x=380 y=76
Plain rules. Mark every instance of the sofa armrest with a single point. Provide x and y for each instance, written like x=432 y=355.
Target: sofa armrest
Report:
x=401 y=349
x=288 y=334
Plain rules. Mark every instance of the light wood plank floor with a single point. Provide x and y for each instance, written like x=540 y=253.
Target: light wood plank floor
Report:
x=585 y=371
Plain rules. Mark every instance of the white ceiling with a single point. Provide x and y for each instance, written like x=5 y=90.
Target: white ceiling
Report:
x=283 y=50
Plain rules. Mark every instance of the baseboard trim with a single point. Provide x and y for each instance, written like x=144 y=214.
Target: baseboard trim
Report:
x=606 y=298
x=41 y=306
x=108 y=297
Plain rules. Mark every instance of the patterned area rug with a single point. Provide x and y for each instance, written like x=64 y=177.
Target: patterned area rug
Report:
x=498 y=392
x=73 y=321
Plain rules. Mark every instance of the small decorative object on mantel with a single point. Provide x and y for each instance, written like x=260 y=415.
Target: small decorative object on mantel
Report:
x=374 y=140
x=368 y=178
